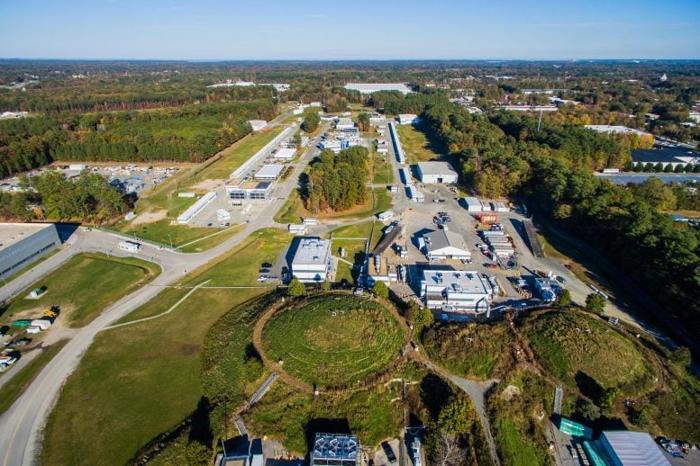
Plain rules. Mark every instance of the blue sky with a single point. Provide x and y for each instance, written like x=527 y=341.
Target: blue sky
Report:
x=352 y=29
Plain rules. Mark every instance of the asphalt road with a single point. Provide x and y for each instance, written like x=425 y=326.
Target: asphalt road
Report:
x=22 y=424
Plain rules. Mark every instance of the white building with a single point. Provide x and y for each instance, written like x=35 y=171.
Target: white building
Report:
x=129 y=246
x=297 y=228
x=414 y=193
x=269 y=172
x=444 y=244
x=257 y=125
x=223 y=215
x=616 y=129
x=285 y=153
x=249 y=190
x=344 y=124
x=473 y=204
x=22 y=243
x=382 y=146
x=457 y=291
x=407 y=118
x=626 y=447
x=369 y=88
x=398 y=149
x=196 y=208
x=312 y=262
x=437 y=173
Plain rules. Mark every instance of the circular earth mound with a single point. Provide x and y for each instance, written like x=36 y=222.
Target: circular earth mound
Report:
x=333 y=340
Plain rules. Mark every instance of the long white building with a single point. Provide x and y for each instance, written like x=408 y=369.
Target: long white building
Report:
x=196 y=208
x=22 y=243
x=312 y=262
x=457 y=291
x=369 y=88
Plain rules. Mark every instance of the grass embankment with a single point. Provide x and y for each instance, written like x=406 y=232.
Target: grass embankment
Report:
x=291 y=416
x=473 y=350
x=582 y=351
x=140 y=380
x=518 y=407
x=333 y=340
x=21 y=380
x=85 y=285
x=415 y=144
x=293 y=210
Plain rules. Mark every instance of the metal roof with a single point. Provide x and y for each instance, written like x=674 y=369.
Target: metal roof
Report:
x=312 y=251
x=633 y=448
x=335 y=447
x=436 y=168
x=368 y=88
x=664 y=155
x=11 y=233
x=269 y=171
x=440 y=239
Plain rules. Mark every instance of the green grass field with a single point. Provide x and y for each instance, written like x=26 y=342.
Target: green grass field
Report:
x=85 y=285
x=138 y=381
x=165 y=233
x=381 y=169
x=333 y=339
x=14 y=388
x=472 y=350
x=234 y=156
x=576 y=348
x=415 y=144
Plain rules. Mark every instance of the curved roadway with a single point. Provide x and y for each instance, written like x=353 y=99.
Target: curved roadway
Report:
x=22 y=424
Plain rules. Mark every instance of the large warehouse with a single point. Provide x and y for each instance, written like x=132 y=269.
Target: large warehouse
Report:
x=436 y=173
x=21 y=243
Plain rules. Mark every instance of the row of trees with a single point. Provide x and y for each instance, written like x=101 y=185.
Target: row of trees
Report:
x=51 y=196
x=189 y=134
x=337 y=181
x=552 y=168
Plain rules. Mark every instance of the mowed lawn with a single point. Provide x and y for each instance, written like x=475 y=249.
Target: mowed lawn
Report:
x=234 y=156
x=333 y=339
x=138 y=381
x=415 y=143
x=293 y=210
x=85 y=285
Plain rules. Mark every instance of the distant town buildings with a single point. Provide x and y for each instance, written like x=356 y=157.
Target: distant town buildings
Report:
x=369 y=88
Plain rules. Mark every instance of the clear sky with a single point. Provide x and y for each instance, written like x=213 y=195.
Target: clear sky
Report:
x=351 y=29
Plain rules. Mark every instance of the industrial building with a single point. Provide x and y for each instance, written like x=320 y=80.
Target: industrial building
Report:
x=407 y=118
x=285 y=153
x=196 y=208
x=444 y=244
x=473 y=204
x=241 y=452
x=335 y=450
x=369 y=88
x=436 y=173
x=344 y=124
x=457 y=291
x=269 y=172
x=312 y=262
x=673 y=156
x=623 y=447
x=257 y=125
x=250 y=190
x=21 y=243
x=400 y=155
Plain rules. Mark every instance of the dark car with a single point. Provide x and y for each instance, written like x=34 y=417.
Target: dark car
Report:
x=389 y=452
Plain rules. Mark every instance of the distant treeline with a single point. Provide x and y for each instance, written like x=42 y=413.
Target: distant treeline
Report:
x=186 y=134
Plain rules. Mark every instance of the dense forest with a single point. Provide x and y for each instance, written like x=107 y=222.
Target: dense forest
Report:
x=185 y=134
x=552 y=170
x=337 y=181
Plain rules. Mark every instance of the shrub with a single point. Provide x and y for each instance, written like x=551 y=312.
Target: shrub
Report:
x=595 y=303
x=296 y=288
x=380 y=290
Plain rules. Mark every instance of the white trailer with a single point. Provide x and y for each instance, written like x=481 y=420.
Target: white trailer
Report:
x=129 y=246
